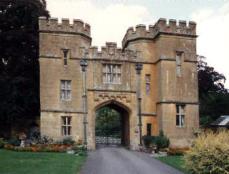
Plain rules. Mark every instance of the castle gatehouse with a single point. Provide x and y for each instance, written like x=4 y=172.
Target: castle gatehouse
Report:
x=152 y=81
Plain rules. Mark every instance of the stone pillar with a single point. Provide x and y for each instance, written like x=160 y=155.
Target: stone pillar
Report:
x=138 y=68
x=83 y=64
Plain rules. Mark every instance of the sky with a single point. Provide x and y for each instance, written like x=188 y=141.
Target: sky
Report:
x=109 y=20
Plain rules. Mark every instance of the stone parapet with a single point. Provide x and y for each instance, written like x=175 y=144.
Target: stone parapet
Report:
x=111 y=51
x=162 y=26
x=52 y=25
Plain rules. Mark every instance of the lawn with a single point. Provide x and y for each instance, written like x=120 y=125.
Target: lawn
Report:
x=36 y=163
x=174 y=161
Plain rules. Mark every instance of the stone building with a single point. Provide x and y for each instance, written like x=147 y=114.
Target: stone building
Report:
x=151 y=81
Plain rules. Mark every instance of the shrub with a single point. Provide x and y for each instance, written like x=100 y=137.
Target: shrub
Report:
x=209 y=154
x=68 y=141
x=45 y=140
x=148 y=140
x=14 y=141
x=80 y=149
x=161 y=141
x=8 y=147
x=2 y=143
x=79 y=142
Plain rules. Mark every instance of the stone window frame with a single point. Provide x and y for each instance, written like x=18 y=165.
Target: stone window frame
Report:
x=112 y=75
x=147 y=83
x=65 y=56
x=66 y=125
x=180 y=115
x=179 y=63
x=65 y=90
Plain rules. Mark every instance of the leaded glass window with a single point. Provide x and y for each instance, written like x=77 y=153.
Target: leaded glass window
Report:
x=112 y=73
x=65 y=93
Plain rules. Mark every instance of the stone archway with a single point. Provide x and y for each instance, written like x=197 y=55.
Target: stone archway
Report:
x=124 y=119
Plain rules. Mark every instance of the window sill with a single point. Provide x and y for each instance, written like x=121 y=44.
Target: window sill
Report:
x=65 y=100
x=112 y=83
x=180 y=127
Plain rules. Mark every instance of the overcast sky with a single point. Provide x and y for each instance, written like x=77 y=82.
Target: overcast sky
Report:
x=109 y=20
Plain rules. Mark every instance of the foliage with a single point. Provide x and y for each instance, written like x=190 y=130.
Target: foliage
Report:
x=36 y=163
x=161 y=141
x=108 y=122
x=68 y=141
x=39 y=148
x=209 y=154
x=46 y=144
x=2 y=143
x=209 y=79
x=213 y=96
x=19 y=50
x=80 y=149
x=174 y=161
x=44 y=140
x=14 y=141
x=148 y=140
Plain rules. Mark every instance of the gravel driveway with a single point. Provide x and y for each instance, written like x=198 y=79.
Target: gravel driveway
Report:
x=113 y=160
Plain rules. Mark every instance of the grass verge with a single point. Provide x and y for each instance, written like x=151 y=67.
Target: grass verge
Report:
x=36 y=163
x=174 y=161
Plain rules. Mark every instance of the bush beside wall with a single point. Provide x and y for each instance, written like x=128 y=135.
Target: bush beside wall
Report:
x=209 y=154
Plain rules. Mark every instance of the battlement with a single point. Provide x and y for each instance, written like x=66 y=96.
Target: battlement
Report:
x=172 y=27
x=52 y=25
x=111 y=51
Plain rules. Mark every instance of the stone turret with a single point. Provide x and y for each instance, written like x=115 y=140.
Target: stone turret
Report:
x=52 y=25
x=172 y=27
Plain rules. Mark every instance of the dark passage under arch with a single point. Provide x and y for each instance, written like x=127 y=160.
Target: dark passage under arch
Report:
x=112 y=125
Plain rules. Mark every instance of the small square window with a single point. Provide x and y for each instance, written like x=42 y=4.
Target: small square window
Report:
x=111 y=74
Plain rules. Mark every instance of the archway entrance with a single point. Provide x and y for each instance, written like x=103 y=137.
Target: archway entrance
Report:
x=112 y=125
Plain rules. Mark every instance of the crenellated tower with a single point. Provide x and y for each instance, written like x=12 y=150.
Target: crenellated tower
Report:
x=168 y=50
x=162 y=26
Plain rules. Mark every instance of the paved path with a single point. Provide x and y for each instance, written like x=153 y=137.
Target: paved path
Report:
x=111 y=160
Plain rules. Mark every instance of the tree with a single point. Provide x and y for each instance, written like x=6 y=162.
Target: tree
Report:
x=213 y=96
x=19 y=51
x=108 y=122
x=209 y=79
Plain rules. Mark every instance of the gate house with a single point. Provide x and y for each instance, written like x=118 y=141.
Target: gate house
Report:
x=151 y=81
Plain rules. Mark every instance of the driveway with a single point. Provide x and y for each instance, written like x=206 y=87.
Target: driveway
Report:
x=113 y=160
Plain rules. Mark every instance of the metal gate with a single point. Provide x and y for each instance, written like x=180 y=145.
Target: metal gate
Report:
x=108 y=140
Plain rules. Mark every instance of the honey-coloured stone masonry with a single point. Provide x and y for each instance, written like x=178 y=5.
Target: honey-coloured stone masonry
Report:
x=168 y=80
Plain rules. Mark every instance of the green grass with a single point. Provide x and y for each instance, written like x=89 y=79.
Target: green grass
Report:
x=174 y=161
x=39 y=163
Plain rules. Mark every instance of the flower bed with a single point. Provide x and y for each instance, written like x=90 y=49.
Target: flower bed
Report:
x=40 y=148
x=177 y=150
x=45 y=144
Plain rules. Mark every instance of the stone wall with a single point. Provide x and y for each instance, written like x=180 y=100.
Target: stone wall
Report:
x=155 y=48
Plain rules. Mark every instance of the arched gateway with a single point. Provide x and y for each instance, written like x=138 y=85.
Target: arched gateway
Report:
x=122 y=103
x=151 y=81
x=124 y=119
